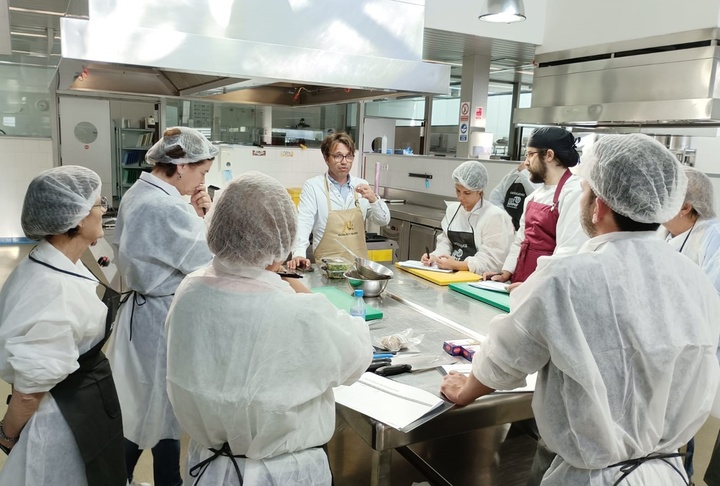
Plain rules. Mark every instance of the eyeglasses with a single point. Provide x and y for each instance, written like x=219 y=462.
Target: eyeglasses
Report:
x=104 y=204
x=339 y=157
x=529 y=154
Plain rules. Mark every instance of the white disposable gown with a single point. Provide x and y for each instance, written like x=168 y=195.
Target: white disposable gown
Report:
x=493 y=234
x=47 y=320
x=701 y=244
x=253 y=364
x=624 y=336
x=158 y=240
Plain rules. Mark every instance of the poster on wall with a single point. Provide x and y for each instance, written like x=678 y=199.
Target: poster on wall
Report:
x=463 y=135
x=465 y=111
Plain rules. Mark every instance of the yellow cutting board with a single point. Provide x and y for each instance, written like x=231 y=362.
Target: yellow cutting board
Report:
x=441 y=278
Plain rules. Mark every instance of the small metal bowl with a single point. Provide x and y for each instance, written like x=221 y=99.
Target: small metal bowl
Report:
x=371 y=270
x=370 y=288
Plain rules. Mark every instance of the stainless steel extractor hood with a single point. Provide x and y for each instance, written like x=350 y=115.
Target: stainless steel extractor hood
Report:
x=108 y=54
x=669 y=80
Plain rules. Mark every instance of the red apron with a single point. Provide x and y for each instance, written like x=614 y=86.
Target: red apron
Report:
x=540 y=233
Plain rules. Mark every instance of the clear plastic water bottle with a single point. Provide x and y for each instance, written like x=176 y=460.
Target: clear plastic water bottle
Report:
x=358 y=306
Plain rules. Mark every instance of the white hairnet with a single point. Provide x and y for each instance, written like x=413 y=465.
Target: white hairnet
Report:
x=700 y=192
x=58 y=199
x=253 y=222
x=471 y=175
x=636 y=176
x=189 y=141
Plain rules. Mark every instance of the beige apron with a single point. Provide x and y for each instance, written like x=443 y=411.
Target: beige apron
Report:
x=346 y=226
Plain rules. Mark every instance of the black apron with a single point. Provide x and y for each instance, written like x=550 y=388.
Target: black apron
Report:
x=463 y=242
x=514 y=202
x=89 y=403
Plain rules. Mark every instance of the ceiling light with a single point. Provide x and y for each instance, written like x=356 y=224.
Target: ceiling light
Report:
x=502 y=11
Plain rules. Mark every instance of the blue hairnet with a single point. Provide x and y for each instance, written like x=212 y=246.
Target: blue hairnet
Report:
x=193 y=143
x=636 y=176
x=700 y=192
x=471 y=175
x=58 y=199
x=253 y=222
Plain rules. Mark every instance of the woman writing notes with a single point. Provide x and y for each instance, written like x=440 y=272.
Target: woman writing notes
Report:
x=63 y=421
x=476 y=236
x=159 y=238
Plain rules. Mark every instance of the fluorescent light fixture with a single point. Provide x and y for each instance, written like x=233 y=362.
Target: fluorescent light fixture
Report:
x=502 y=11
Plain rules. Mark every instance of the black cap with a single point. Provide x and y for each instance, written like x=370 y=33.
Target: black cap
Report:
x=559 y=140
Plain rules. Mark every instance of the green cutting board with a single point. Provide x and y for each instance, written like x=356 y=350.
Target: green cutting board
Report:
x=500 y=300
x=343 y=301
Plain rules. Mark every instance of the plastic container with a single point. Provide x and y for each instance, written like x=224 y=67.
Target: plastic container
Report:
x=358 y=306
x=335 y=267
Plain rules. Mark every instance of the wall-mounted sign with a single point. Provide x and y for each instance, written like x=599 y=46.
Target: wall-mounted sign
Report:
x=463 y=132
x=464 y=111
x=287 y=153
x=478 y=113
x=258 y=153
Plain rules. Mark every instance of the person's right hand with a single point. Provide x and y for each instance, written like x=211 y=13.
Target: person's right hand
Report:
x=298 y=263
x=427 y=260
x=503 y=276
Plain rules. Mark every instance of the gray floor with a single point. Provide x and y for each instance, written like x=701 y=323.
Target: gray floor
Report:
x=705 y=439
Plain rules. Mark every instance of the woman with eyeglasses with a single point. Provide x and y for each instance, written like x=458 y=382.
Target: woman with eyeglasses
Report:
x=159 y=238
x=476 y=236
x=63 y=423
x=334 y=206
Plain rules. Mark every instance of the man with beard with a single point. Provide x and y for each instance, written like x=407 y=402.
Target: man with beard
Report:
x=549 y=224
x=613 y=331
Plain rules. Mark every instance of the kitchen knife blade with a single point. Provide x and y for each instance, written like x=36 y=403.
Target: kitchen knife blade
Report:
x=414 y=364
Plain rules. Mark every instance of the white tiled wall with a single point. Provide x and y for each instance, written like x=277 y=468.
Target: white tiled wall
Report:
x=21 y=159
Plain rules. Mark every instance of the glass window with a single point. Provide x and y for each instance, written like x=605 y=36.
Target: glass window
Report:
x=25 y=100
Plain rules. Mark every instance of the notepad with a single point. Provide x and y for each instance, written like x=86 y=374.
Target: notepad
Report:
x=400 y=406
x=420 y=266
x=491 y=285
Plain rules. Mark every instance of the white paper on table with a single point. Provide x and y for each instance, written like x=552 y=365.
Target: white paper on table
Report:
x=491 y=285
x=388 y=401
x=466 y=369
x=418 y=265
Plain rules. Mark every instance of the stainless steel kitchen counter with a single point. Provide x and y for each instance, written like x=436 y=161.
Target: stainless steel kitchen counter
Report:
x=439 y=314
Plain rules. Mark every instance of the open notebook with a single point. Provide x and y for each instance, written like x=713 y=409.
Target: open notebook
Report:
x=491 y=285
x=400 y=406
x=418 y=265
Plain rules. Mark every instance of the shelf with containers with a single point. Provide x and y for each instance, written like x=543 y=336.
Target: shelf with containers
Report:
x=131 y=145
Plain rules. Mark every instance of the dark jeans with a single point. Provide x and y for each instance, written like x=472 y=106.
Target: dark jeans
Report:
x=166 y=461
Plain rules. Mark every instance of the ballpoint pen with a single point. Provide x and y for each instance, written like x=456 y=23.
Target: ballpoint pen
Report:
x=289 y=275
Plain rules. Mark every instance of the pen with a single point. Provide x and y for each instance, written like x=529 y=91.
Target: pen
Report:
x=427 y=251
x=382 y=355
x=289 y=275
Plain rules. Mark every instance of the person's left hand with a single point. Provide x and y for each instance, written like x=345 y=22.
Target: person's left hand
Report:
x=451 y=386
x=200 y=200
x=365 y=191
x=446 y=262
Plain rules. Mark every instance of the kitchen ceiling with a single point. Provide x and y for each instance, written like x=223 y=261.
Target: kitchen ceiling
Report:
x=33 y=21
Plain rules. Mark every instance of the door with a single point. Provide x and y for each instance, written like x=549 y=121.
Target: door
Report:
x=85 y=133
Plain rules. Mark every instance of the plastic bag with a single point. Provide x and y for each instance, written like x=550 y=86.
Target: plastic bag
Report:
x=398 y=341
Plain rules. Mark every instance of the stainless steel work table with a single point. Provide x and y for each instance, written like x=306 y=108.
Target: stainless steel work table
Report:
x=440 y=314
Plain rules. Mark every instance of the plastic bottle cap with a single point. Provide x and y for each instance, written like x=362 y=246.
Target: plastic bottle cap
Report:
x=359 y=293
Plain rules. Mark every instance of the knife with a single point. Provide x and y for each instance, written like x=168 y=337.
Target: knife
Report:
x=415 y=365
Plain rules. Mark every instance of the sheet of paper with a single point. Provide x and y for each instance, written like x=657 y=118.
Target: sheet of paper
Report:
x=466 y=369
x=419 y=266
x=388 y=401
x=491 y=285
